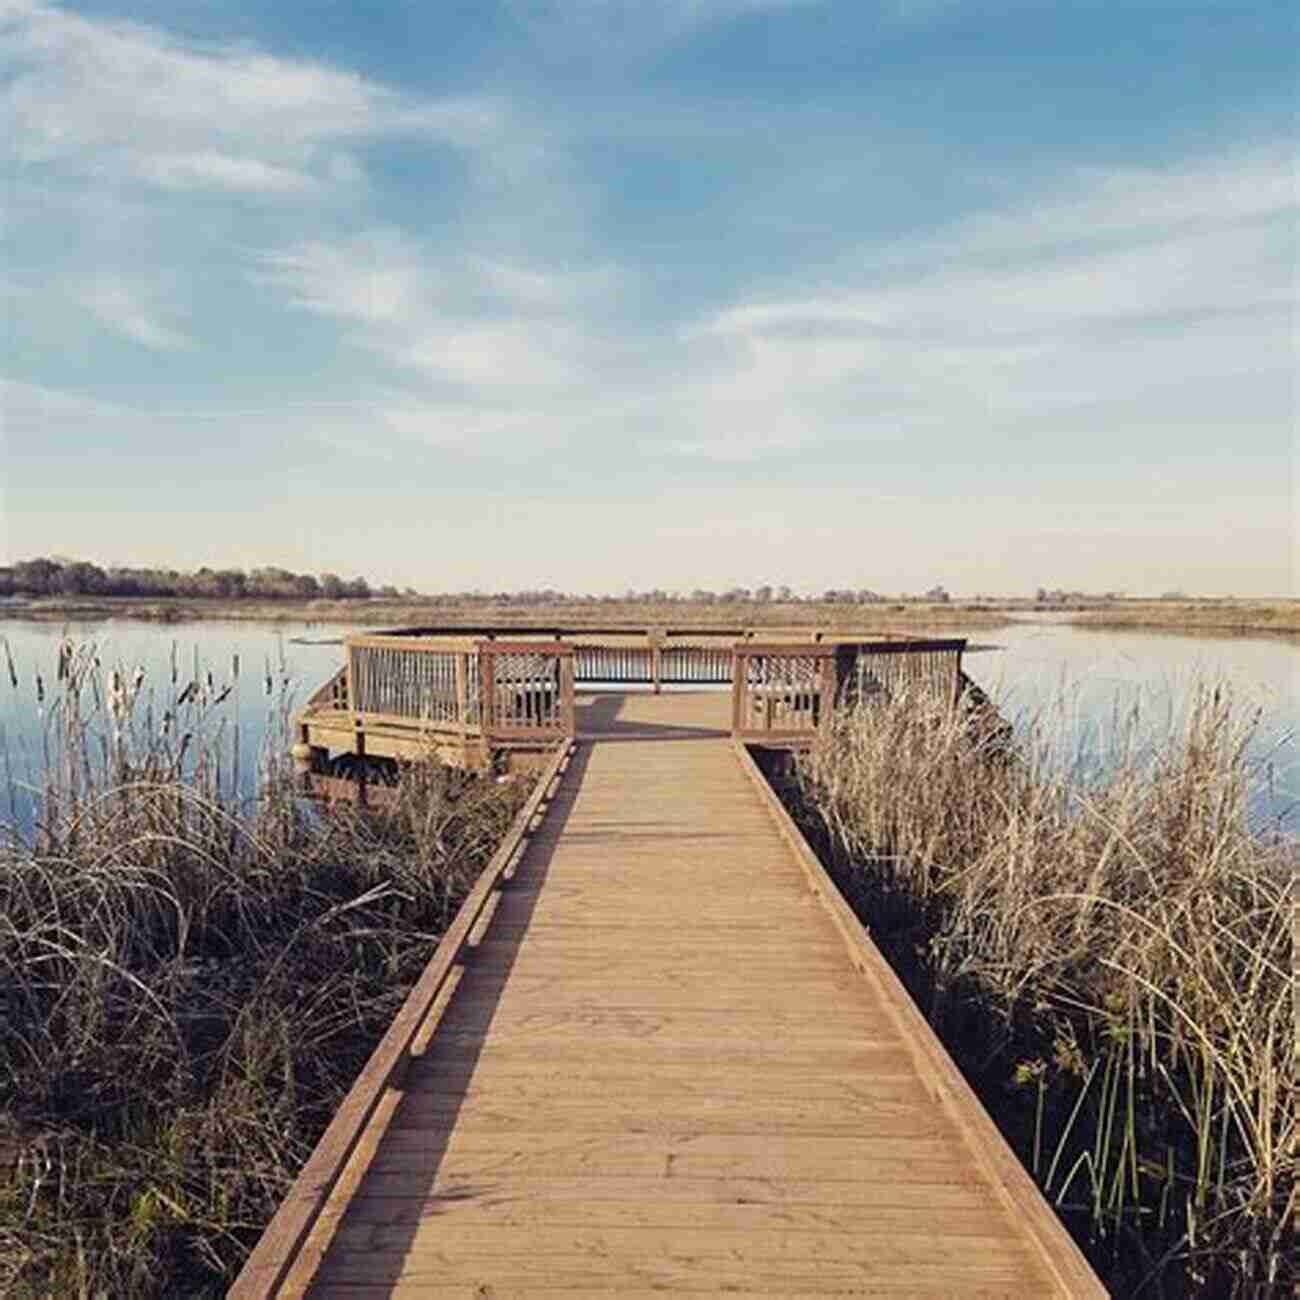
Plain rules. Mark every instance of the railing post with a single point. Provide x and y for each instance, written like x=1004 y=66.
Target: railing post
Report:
x=462 y=697
x=350 y=667
x=567 y=712
x=830 y=671
x=846 y=662
x=487 y=688
x=656 y=637
x=739 y=671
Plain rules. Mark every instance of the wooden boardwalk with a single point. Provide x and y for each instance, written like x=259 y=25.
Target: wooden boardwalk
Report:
x=664 y=1070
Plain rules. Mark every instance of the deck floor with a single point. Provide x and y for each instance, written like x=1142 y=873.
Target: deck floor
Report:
x=660 y=1071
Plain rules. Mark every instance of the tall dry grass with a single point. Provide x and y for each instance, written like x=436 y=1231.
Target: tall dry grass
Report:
x=189 y=981
x=1128 y=935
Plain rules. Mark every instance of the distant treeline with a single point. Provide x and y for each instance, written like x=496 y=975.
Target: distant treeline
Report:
x=64 y=577
x=46 y=577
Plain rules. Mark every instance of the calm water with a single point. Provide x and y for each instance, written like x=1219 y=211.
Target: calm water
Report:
x=265 y=671
x=1092 y=677
x=1086 y=675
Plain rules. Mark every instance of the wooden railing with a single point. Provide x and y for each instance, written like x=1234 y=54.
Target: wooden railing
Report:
x=332 y=695
x=499 y=689
x=617 y=664
x=522 y=690
x=654 y=664
x=692 y=665
x=879 y=671
x=527 y=689
x=426 y=681
x=783 y=693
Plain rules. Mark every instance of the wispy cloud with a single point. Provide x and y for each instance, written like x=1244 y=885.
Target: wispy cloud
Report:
x=469 y=329
x=1122 y=288
x=123 y=100
x=208 y=169
x=131 y=310
x=1132 y=297
x=373 y=279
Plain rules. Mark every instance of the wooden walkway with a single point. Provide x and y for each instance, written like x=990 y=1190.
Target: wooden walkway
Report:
x=663 y=1069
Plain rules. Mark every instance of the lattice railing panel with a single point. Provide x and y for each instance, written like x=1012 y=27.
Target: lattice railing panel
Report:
x=883 y=672
x=782 y=691
x=612 y=663
x=527 y=691
x=690 y=664
x=422 y=685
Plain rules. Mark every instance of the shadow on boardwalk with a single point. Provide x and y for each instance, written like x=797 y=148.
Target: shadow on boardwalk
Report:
x=619 y=715
x=442 y=1077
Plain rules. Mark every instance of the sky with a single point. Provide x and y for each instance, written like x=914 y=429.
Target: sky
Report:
x=610 y=294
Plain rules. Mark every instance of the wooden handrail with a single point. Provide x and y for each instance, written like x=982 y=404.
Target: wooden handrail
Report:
x=440 y=645
x=277 y=1252
x=1018 y=1192
x=786 y=650
x=323 y=694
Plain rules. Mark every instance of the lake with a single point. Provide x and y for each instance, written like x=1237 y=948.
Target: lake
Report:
x=1085 y=675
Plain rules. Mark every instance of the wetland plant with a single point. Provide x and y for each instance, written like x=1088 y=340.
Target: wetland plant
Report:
x=190 y=978
x=1120 y=929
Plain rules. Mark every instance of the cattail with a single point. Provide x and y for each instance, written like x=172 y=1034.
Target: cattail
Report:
x=40 y=690
x=117 y=699
x=187 y=694
x=9 y=661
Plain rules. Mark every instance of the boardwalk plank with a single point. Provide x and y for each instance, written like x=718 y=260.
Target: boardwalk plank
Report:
x=452 y=1188
x=869 y=1246
x=713 y=1272
x=965 y=1213
x=968 y=1290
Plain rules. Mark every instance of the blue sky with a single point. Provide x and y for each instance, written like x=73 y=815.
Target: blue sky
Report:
x=597 y=294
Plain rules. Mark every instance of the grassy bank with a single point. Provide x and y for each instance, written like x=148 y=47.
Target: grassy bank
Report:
x=1107 y=949
x=189 y=984
x=376 y=612
x=1231 y=617
x=1195 y=617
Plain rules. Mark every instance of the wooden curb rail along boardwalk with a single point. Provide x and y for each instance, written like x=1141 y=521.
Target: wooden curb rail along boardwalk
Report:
x=656 y=1052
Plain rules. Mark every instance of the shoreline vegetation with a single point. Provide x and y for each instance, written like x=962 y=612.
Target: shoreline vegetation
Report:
x=1104 y=942
x=1280 y=618
x=61 y=590
x=191 y=980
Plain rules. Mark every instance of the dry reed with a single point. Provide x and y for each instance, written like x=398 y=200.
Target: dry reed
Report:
x=1123 y=919
x=190 y=981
